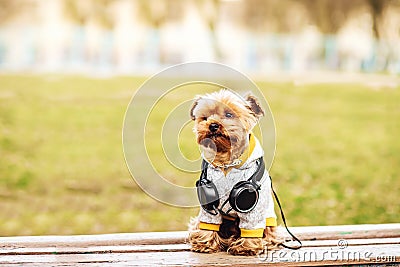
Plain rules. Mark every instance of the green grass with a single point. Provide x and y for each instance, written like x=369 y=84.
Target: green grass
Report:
x=62 y=170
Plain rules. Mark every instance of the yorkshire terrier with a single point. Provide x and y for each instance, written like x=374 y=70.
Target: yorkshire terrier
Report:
x=232 y=156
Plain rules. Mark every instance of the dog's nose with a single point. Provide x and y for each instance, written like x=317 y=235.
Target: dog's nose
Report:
x=213 y=127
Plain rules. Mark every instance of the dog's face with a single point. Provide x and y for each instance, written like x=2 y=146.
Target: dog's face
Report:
x=223 y=121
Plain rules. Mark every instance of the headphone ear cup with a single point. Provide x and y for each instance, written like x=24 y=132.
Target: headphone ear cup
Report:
x=208 y=196
x=243 y=197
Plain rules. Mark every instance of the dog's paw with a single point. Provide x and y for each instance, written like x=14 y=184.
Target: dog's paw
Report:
x=246 y=246
x=272 y=237
x=205 y=241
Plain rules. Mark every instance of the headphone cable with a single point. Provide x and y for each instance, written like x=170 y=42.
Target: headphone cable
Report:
x=284 y=222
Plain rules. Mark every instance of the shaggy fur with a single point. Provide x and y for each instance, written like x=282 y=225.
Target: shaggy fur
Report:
x=235 y=118
x=205 y=241
x=228 y=239
x=230 y=140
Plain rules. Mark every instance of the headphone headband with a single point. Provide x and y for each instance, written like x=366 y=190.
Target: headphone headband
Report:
x=256 y=177
x=259 y=173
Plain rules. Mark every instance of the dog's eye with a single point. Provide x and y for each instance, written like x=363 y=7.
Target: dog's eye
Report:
x=228 y=115
x=204 y=118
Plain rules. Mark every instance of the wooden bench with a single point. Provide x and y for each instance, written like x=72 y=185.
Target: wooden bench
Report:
x=322 y=245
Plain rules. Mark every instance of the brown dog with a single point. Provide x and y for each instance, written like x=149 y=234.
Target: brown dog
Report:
x=223 y=124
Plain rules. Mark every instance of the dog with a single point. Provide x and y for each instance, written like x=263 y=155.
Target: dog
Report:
x=231 y=156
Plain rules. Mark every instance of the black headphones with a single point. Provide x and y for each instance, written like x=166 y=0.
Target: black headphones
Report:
x=243 y=197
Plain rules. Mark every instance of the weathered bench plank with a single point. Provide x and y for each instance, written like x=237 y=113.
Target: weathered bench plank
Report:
x=310 y=256
x=170 y=247
x=179 y=237
x=363 y=244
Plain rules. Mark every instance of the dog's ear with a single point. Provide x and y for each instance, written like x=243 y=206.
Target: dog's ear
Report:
x=195 y=102
x=254 y=105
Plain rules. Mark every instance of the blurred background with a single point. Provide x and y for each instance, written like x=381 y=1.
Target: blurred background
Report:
x=68 y=68
x=125 y=36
